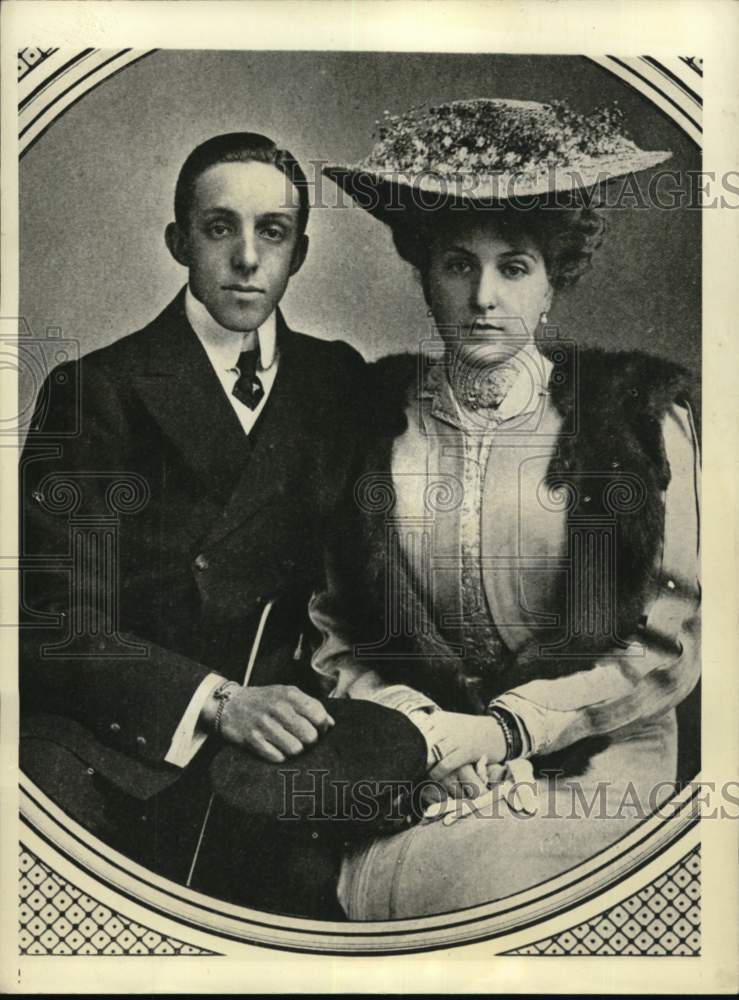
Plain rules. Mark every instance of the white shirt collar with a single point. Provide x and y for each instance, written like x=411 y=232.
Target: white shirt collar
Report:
x=224 y=346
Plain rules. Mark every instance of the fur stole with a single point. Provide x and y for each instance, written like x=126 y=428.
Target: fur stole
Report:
x=609 y=459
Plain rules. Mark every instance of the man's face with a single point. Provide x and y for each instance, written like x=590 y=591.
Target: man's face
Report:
x=242 y=242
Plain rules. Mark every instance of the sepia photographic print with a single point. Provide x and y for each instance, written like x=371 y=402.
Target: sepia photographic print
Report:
x=358 y=378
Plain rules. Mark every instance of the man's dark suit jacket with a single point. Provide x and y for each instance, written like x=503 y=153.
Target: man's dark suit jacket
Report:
x=136 y=451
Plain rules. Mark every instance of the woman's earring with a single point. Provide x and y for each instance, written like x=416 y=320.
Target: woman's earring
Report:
x=429 y=311
x=544 y=318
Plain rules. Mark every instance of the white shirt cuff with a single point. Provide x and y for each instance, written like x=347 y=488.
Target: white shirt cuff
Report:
x=188 y=739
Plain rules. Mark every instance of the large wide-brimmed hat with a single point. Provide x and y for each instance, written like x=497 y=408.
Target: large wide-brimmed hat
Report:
x=490 y=150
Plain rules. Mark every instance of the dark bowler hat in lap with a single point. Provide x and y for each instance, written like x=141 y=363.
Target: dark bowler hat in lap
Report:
x=355 y=770
x=284 y=856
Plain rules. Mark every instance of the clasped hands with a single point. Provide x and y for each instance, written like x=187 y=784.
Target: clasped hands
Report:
x=471 y=750
x=275 y=722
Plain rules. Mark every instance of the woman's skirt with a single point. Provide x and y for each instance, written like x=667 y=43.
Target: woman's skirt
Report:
x=514 y=837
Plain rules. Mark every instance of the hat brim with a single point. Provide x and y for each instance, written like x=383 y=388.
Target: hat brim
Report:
x=381 y=191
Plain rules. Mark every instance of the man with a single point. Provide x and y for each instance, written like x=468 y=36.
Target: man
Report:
x=178 y=487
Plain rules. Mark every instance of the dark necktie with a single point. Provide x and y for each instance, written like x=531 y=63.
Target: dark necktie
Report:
x=248 y=388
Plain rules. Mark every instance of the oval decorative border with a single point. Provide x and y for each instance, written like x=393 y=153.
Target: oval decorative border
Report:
x=674 y=827
x=50 y=82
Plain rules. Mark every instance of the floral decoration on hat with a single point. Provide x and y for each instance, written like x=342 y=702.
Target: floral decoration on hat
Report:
x=497 y=149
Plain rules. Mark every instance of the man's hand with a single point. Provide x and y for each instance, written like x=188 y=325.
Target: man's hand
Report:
x=274 y=721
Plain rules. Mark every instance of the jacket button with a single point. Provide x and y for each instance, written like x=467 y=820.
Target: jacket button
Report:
x=201 y=562
x=91 y=771
x=114 y=727
x=38 y=496
x=141 y=742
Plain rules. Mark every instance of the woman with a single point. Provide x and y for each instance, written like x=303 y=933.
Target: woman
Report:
x=520 y=571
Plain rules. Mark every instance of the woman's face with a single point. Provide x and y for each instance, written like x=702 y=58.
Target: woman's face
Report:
x=487 y=287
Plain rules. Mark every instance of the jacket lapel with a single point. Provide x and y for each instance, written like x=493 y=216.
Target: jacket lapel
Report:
x=176 y=383
x=282 y=440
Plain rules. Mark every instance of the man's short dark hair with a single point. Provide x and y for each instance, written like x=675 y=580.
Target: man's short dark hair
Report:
x=238 y=147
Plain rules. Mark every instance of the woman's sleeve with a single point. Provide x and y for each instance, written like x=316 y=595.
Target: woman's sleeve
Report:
x=661 y=666
x=342 y=676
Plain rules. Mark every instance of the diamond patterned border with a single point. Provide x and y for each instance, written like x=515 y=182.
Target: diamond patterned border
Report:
x=58 y=919
x=663 y=918
x=31 y=57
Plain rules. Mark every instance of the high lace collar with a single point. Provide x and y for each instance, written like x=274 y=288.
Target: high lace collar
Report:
x=524 y=380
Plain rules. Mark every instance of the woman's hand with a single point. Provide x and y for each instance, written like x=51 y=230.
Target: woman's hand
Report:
x=467 y=782
x=464 y=783
x=461 y=741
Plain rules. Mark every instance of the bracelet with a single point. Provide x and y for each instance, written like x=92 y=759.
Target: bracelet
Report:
x=223 y=693
x=513 y=741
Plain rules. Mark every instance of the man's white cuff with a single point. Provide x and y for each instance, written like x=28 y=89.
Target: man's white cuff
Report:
x=188 y=738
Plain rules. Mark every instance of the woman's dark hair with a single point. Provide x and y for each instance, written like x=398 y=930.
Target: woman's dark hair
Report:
x=566 y=237
x=238 y=147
